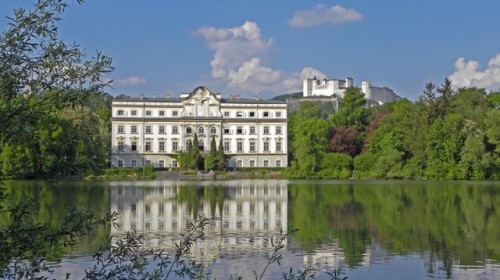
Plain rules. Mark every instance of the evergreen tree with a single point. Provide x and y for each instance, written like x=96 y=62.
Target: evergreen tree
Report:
x=221 y=156
x=194 y=153
x=211 y=158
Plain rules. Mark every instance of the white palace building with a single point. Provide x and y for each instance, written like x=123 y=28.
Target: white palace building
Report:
x=150 y=131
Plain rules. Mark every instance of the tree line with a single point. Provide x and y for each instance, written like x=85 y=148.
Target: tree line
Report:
x=445 y=134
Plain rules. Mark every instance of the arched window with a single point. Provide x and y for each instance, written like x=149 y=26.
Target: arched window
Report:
x=201 y=130
x=213 y=130
x=189 y=130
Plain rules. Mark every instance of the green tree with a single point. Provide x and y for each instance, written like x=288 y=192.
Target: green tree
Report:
x=444 y=143
x=309 y=145
x=336 y=165
x=352 y=111
x=38 y=71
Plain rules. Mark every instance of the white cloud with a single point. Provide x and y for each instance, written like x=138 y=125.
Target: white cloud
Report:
x=469 y=74
x=130 y=82
x=322 y=14
x=239 y=60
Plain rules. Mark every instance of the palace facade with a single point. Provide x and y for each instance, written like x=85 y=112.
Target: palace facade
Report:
x=151 y=131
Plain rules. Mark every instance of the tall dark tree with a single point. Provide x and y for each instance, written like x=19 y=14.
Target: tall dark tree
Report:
x=221 y=156
x=429 y=99
x=211 y=158
x=444 y=100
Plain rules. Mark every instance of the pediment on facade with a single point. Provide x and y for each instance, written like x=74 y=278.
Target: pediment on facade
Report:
x=201 y=103
x=201 y=95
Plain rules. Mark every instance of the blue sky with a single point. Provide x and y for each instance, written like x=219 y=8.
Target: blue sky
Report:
x=265 y=48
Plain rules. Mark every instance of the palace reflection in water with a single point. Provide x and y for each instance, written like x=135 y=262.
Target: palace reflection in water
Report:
x=246 y=214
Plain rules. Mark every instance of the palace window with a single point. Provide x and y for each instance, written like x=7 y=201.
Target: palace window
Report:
x=239 y=130
x=120 y=129
x=278 y=163
x=161 y=163
x=133 y=129
x=239 y=146
x=161 y=146
x=266 y=163
x=189 y=130
x=148 y=113
x=133 y=113
x=265 y=114
x=120 y=113
x=278 y=130
x=201 y=130
x=120 y=145
x=133 y=146
x=227 y=131
x=175 y=113
x=251 y=114
x=278 y=146
x=266 y=146
x=266 y=129
x=252 y=146
x=278 y=114
x=175 y=130
x=252 y=163
x=239 y=163
x=226 y=114
x=239 y=114
x=133 y=163
x=120 y=163
x=175 y=146
x=148 y=146
x=213 y=130
x=161 y=113
x=226 y=146
x=161 y=129
x=252 y=130
x=148 y=129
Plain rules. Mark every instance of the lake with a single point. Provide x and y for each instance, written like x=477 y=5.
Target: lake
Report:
x=373 y=229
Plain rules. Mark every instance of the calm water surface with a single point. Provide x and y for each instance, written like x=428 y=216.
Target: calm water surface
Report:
x=374 y=229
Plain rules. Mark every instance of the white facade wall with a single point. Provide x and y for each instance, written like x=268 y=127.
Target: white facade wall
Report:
x=150 y=131
x=314 y=87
